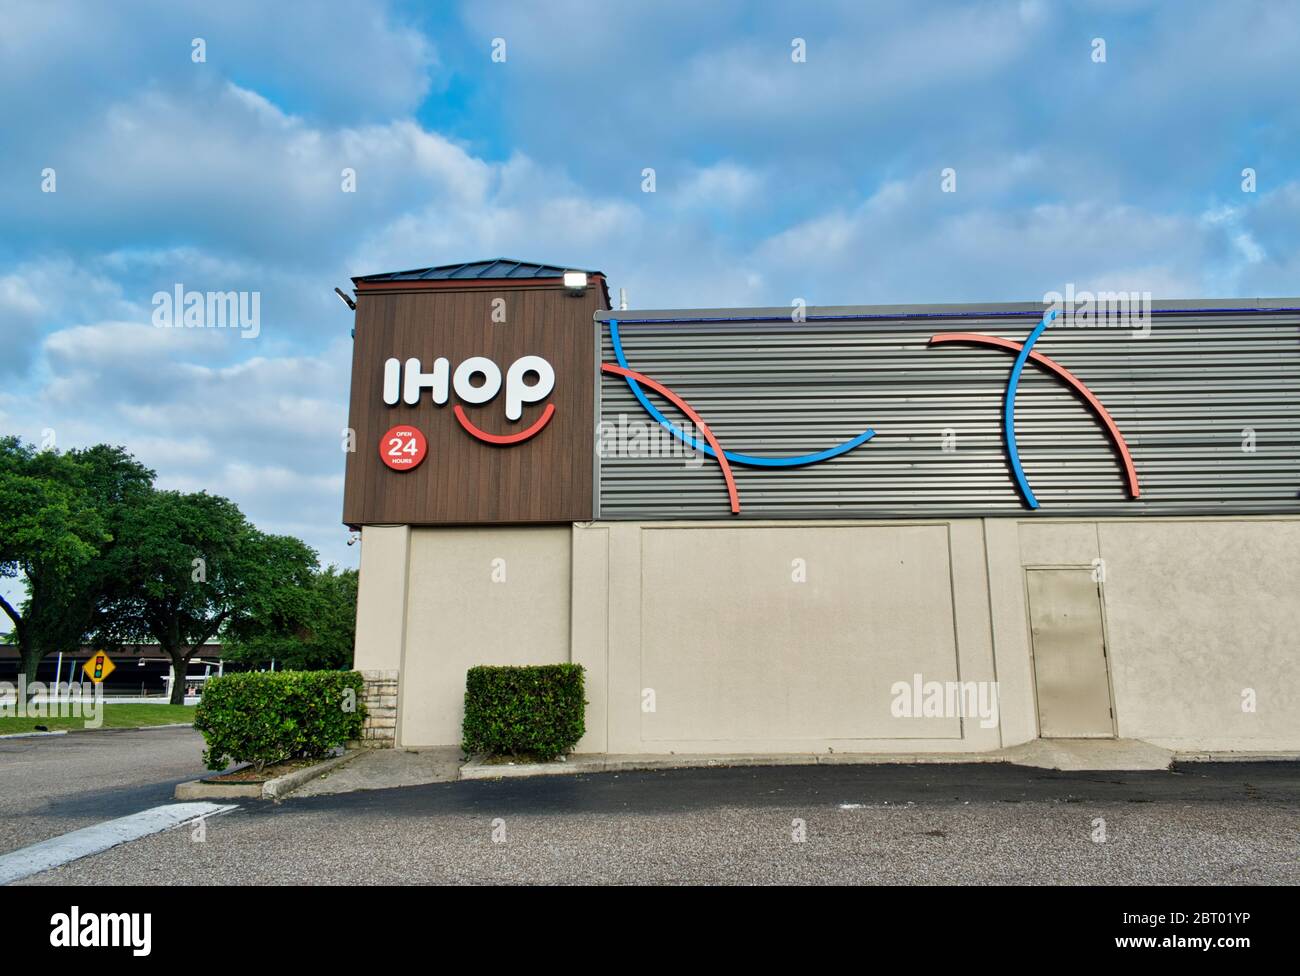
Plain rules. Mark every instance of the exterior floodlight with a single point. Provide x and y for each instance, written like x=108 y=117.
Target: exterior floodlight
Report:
x=345 y=299
x=575 y=282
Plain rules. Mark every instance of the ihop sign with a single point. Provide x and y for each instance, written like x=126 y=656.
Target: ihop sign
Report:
x=476 y=381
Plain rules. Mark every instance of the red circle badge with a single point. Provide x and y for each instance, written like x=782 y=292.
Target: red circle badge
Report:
x=403 y=448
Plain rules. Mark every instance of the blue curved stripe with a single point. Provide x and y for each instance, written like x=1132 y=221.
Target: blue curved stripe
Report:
x=1009 y=410
x=745 y=459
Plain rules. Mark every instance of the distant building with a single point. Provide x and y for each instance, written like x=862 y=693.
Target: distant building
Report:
x=141 y=669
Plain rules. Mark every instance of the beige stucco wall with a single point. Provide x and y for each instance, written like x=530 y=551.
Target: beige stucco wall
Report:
x=470 y=596
x=777 y=637
x=381 y=597
x=708 y=620
x=1201 y=616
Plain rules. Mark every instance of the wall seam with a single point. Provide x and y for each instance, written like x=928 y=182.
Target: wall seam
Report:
x=409 y=533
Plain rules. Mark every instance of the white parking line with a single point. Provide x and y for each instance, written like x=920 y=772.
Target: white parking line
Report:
x=93 y=840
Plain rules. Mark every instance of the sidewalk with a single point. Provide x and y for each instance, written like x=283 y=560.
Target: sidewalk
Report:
x=1065 y=754
x=382 y=769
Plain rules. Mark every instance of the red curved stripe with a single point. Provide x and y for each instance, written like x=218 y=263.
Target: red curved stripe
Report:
x=685 y=408
x=1052 y=366
x=504 y=439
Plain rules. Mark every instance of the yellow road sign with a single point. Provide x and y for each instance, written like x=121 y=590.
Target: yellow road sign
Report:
x=98 y=667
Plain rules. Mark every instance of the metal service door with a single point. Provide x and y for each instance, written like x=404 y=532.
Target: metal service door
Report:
x=1070 y=664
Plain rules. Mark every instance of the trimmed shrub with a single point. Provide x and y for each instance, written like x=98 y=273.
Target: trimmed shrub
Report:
x=533 y=711
x=265 y=717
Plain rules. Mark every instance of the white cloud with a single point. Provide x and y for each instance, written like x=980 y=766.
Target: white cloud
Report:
x=336 y=58
x=38 y=294
x=722 y=186
x=900 y=246
x=266 y=432
x=224 y=170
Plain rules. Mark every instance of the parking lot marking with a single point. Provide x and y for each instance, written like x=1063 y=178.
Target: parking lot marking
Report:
x=98 y=838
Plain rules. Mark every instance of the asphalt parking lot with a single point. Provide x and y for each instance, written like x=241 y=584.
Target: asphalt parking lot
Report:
x=1227 y=823
x=50 y=785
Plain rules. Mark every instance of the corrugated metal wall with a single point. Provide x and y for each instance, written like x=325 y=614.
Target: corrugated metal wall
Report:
x=1185 y=398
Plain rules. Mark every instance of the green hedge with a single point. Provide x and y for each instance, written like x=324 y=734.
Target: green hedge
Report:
x=524 y=711
x=265 y=717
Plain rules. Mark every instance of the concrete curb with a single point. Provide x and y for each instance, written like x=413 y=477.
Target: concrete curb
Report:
x=125 y=728
x=134 y=728
x=1213 y=757
x=272 y=789
x=282 y=786
x=476 y=768
x=1060 y=754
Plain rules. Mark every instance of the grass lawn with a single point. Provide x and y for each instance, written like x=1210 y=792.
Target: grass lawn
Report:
x=124 y=716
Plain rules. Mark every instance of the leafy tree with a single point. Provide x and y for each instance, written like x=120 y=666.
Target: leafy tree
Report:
x=103 y=554
x=185 y=566
x=312 y=629
x=58 y=515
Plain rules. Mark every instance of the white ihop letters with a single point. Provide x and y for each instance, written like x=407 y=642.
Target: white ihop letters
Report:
x=476 y=380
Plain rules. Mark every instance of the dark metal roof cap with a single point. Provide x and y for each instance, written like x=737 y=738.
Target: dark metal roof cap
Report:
x=495 y=268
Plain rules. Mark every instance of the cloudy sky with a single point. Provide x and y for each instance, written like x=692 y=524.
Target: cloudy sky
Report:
x=774 y=179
